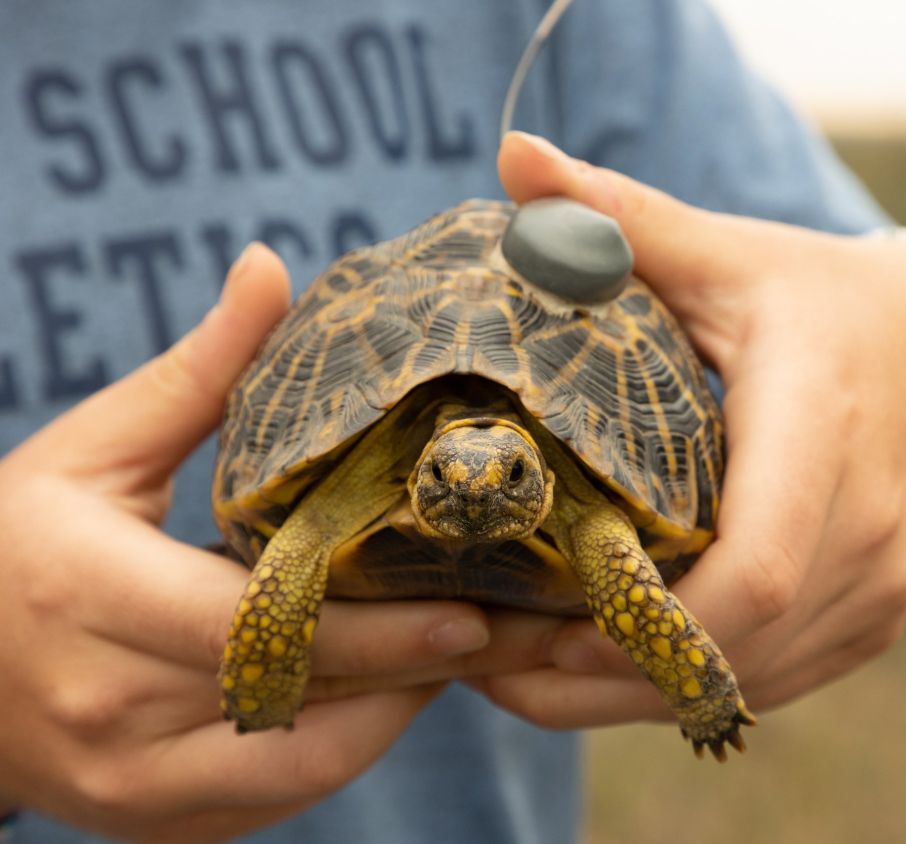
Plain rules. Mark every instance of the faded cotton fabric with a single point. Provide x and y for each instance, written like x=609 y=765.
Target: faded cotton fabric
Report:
x=144 y=144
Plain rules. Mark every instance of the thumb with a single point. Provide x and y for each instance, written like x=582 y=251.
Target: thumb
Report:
x=154 y=417
x=689 y=256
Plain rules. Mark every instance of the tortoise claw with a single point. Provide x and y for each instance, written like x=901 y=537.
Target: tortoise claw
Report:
x=743 y=716
x=735 y=739
x=731 y=736
x=717 y=750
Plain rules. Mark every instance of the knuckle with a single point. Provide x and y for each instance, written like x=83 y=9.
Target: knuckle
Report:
x=105 y=790
x=369 y=655
x=537 y=712
x=84 y=710
x=542 y=718
x=771 y=578
x=47 y=592
x=534 y=708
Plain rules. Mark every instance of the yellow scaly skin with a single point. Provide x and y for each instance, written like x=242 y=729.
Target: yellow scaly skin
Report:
x=266 y=662
x=630 y=604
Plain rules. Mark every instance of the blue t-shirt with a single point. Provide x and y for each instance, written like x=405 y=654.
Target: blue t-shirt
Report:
x=143 y=145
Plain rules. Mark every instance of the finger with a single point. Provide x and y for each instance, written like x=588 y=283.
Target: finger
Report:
x=330 y=745
x=360 y=638
x=151 y=419
x=778 y=685
x=580 y=648
x=105 y=693
x=153 y=594
x=557 y=700
x=156 y=605
x=781 y=479
x=518 y=641
x=521 y=643
x=689 y=256
x=829 y=638
x=672 y=241
x=210 y=826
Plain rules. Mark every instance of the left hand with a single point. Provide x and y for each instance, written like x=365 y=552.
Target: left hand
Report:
x=807 y=577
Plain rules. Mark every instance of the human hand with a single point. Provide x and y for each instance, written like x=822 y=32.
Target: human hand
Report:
x=113 y=631
x=807 y=576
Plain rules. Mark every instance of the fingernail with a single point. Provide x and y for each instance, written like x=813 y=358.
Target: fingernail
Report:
x=542 y=146
x=576 y=657
x=461 y=636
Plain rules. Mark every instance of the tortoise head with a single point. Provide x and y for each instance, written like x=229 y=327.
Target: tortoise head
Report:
x=480 y=480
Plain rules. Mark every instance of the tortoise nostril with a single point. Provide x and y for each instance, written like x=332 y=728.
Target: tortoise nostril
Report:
x=436 y=471
x=517 y=471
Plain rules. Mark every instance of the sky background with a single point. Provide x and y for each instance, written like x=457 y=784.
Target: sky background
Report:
x=843 y=61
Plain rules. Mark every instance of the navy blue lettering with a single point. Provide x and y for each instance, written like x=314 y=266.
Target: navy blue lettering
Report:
x=235 y=99
x=9 y=385
x=443 y=144
x=44 y=91
x=351 y=229
x=377 y=75
x=127 y=81
x=55 y=322
x=144 y=255
x=311 y=102
x=219 y=240
x=278 y=233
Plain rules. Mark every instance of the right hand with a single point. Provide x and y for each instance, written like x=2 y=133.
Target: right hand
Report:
x=112 y=631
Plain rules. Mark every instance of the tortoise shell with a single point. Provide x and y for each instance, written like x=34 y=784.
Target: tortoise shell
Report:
x=618 y=384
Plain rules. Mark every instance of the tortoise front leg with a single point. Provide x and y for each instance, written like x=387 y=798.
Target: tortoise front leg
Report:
x=266 y=661
x=630 y=604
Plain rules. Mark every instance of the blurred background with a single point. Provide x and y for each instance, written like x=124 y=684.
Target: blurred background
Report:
x=830 y=768
x=843 y=63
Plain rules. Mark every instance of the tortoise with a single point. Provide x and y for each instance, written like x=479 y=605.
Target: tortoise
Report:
x=428 y=422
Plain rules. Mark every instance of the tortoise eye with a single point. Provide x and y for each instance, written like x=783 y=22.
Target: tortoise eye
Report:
x=517 y=471
x=435 y=470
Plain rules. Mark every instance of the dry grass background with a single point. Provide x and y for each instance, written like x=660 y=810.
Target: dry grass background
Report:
x=828 y=769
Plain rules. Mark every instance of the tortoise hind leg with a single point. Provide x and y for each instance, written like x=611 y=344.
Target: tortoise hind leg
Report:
x=266 y=661
x=631 y=605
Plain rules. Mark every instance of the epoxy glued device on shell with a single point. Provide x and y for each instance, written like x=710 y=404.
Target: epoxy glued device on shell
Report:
x=568 y=249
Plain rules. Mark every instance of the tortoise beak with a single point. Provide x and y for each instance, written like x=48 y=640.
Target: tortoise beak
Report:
x=475 y=506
